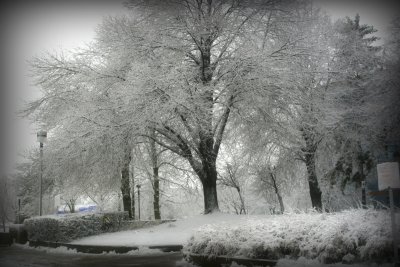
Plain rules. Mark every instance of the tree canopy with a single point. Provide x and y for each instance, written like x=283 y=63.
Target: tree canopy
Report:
x=188 y=76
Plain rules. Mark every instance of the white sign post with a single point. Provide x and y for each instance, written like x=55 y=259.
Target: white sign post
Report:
x=388 y=175
x=388 y=178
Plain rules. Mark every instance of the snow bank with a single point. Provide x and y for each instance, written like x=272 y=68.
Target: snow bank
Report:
x=59 y=250
x=358 y=235
x=64 y=228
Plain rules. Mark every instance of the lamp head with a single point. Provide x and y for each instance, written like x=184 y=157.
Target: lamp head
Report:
x=42 y=136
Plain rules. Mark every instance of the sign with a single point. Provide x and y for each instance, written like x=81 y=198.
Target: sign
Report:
x=388 y=175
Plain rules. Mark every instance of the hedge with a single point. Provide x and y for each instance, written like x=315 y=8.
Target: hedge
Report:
x=68 y=227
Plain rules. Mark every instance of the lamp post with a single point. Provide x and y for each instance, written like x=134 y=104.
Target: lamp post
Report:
x=363 y=195
x=19 y=210
x=138 y=194
x=41 y=138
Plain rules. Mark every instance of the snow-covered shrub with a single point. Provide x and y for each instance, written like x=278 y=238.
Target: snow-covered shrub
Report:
x=328 y=237
x=65 y=228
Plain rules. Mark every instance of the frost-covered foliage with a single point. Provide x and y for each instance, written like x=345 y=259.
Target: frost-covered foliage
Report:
x=68 y=227
x=328 y=237
x=303 y=262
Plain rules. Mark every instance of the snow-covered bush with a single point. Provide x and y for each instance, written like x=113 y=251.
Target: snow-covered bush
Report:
x=65 y=228
x=328 y=237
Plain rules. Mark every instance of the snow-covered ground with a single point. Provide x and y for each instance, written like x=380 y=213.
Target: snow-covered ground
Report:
x=354 y=235
x=174 y=233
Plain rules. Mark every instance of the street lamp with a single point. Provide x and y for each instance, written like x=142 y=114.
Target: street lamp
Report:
x=363 y=195
x=138 y=194
x=19 y=210
x=41 y=138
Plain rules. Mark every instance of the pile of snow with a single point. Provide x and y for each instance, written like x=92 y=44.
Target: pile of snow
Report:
x=174 y=233
x=354 y=235
x=142 y=251
x=58 y=250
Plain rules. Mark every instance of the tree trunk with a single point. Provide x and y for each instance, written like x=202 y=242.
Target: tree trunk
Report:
x=71 y=205
x=363 y=182
x=125 y=187
x=119 y=201
x=209 y=181
x=310 y=137
x=156 y=180
x=133 y=193
x=281 y=203
x=206 y=147
x=273 y=177
x=242 y=206
x=156 y=202
x=210 y=197
x=361 y=160
x=208 y=175
x=315 y=192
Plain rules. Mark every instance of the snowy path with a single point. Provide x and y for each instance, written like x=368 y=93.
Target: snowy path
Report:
x=176 y=233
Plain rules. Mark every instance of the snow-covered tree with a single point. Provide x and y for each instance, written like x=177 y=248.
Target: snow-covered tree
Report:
x=188 y=76
x=300 y=114
x=360 y=66
x=178 y=77
x=188 y=104
x=83 y=116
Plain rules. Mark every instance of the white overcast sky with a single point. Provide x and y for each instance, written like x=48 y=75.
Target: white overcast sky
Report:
x=31 y=29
